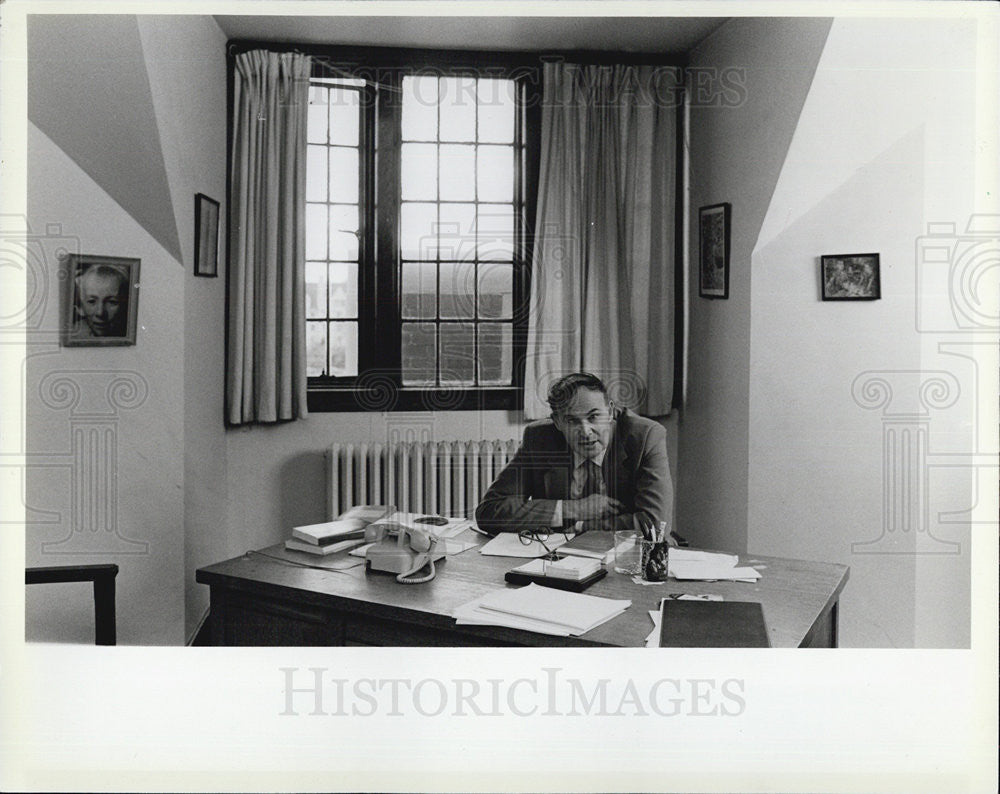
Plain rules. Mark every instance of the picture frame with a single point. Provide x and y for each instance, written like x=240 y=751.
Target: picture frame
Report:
x=206 y=236
x=100 y=300
x=714 y=238
x=850 y=277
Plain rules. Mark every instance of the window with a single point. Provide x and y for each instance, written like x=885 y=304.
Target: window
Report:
x=334 y=197
x=415 y=239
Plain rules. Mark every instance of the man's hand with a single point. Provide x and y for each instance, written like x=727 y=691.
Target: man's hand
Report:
x=591 y=507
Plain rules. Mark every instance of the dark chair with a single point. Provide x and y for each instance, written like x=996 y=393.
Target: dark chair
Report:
x=103 y=577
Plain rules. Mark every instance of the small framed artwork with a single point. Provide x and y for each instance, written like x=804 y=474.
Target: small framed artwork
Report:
x=101 y=301
x=206 y=236
x=713 y=248
x=851 y=277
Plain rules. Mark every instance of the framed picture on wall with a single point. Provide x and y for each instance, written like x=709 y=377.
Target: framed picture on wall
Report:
x=206 y=236
x=851 y=277
x=101 y=300
x=713 y=250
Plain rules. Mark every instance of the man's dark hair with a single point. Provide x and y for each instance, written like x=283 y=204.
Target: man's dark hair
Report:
x=562 y=391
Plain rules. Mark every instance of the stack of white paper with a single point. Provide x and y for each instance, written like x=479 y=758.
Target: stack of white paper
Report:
x=692 y=564
x=541 y=609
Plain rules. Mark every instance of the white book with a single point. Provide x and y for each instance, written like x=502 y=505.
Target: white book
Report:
x=329 y=531
x=349 y=524
x=294 y=544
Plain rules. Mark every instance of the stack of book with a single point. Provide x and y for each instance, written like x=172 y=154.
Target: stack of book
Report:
x=345 y=532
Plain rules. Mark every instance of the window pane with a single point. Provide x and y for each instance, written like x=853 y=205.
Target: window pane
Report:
x=416 y=236
x=418 y=354
x=496 y=232
x=419 y=177
x=496 y=290
x=419 y=290
x=344 y=232
x=316 y=126
x=343 y=349
x=316 y=173
x=345 y=119
x=458 y=173
x=495 y=354
x=344 y=175
x=420 y=96
x=458 y=109
x=343 y=289
x=458 y=354
x=315 y=349
x=315 y=231
x=496 y=110
x=495 y=173
x=458 y=231
x=458 y=297
x=316 y=289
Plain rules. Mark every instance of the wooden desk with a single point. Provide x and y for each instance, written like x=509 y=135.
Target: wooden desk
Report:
x=256 y=601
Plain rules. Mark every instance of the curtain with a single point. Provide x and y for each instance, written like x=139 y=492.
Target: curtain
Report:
x=266 y=363
x=602 y=285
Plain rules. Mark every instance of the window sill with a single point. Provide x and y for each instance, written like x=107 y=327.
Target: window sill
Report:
x=327 y=400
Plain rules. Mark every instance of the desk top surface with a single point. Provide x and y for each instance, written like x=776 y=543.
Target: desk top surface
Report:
x=793 y=593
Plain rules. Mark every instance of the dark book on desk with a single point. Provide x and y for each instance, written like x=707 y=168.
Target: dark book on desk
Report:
x=594 y=544
x=712 y=624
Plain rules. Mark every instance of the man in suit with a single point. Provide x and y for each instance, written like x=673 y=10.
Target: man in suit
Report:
x=591 y=466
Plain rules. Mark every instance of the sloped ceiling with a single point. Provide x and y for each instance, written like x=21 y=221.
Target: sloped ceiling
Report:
x=88 y=90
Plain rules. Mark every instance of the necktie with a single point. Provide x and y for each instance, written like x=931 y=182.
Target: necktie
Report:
x=595 y=479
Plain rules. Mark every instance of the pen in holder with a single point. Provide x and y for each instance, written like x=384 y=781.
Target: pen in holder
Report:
x=654 y=551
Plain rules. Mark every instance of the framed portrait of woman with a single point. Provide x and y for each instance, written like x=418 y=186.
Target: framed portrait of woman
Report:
x=101 y=301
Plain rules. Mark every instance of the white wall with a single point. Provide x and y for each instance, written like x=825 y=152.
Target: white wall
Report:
x=883 y=146
x=869 y=180
x=193 y=128
x=736 y=153
x=169 y=77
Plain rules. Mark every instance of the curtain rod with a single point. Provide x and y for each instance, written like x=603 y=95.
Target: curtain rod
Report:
x=391 y=56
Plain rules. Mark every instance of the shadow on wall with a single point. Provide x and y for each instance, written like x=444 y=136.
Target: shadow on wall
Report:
x=302 y=491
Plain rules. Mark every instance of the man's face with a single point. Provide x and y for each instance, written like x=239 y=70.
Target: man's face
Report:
x=586 y=422
x=101 y=301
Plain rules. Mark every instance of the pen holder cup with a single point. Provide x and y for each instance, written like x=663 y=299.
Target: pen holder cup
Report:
x=654 y=558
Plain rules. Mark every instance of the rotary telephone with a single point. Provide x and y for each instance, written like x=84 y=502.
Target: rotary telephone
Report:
x=402 y=550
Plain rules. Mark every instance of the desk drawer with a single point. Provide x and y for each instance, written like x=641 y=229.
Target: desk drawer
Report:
x=374 y=631
x=253 y=621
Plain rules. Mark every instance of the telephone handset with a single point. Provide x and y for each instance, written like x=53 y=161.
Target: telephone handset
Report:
x=403 y=551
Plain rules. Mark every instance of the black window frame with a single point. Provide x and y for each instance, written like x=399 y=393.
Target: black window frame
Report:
x=382 y=391
x=378 y=385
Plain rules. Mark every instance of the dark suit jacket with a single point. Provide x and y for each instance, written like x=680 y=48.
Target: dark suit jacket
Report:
x=636 y=473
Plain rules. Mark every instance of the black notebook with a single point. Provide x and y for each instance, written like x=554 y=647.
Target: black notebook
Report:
x=712 y=624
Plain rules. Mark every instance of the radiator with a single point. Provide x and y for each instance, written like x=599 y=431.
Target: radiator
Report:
x=437 y=477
